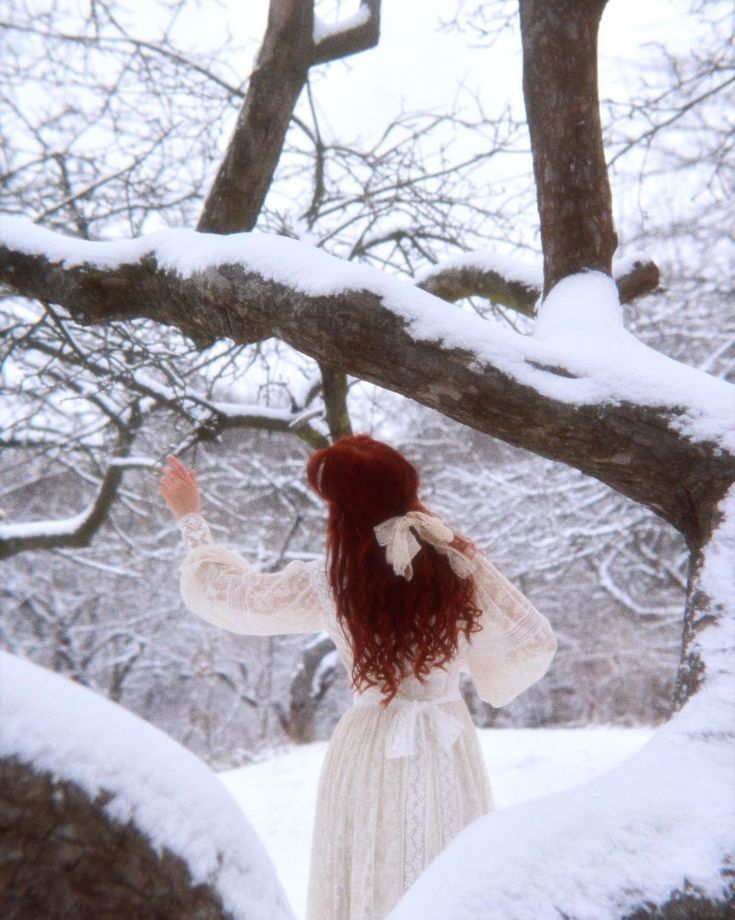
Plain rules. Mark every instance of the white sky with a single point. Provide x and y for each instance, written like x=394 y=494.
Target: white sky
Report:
x=420 y=65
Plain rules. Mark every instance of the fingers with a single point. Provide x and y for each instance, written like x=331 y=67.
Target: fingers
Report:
x=177 y=468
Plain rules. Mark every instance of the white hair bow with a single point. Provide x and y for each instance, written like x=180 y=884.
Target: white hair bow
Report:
x=401 y=545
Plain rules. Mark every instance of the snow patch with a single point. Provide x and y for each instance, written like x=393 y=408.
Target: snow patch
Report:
x=594 y=852
x=278 y=793
x=633 y=835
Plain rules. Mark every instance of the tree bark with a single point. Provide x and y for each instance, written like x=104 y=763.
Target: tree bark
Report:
x=335 y=389
x=562 y=103
x=304 y=698
x=684 y=905
x=62 y=857
x=343 y=42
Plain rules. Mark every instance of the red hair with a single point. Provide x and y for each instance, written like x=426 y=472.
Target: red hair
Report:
x=395 y=627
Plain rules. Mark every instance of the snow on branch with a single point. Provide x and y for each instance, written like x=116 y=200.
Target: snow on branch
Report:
x=581 y=389
x=356 y=33
x=76 y=531
x=209 y=416
x=518 y=285
x=214 y=416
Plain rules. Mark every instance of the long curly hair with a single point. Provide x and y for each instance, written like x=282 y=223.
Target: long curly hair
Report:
x=395 y=627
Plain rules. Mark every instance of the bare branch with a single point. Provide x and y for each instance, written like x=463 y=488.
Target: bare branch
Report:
x=76 y=531
x=456 y=282
x=359 y=34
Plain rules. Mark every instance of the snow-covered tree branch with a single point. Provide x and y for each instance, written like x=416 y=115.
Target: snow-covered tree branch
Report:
x=96 y=818
x=658 y=448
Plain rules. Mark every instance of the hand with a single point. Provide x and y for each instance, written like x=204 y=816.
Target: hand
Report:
x=179 y=488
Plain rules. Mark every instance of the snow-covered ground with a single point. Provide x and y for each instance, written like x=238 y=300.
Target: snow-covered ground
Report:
x=278 y=794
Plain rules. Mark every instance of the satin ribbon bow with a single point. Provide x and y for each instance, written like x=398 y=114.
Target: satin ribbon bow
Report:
x=401 y=741
x=401 y=545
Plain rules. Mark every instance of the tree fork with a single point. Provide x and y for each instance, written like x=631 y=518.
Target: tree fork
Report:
x=245 y=175
x=282 y=67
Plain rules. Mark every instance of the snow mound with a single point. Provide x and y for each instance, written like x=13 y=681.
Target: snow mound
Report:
x=60 y=727
x=593 y=852
x=586 y=303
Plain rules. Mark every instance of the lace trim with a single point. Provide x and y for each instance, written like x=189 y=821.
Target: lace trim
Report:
x=194 y=530
x=414 y=851
x=448 y=796
x=450 y=816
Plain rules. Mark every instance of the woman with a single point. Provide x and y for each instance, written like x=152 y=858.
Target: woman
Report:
x=409 y=606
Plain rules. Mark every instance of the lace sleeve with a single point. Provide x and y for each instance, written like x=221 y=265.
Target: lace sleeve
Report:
x=224 y=589
x=194 y=530
x=516 y=644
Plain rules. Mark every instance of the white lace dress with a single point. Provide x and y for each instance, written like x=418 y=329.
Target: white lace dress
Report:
x=396 y=784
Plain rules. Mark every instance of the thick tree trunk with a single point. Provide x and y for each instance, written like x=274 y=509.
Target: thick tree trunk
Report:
x=560 y=90
x=706 y=612
x=308 y=688
x=63 y=858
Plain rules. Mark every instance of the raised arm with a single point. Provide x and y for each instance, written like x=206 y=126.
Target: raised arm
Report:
x=221 y=587
x=516 y=644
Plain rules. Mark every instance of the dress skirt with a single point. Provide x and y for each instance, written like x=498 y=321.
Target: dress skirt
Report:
x=384 y=812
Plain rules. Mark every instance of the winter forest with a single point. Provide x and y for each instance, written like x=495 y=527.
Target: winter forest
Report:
x=497 y=235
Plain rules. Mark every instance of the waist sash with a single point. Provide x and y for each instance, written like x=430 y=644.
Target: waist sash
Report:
x=407 y=713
